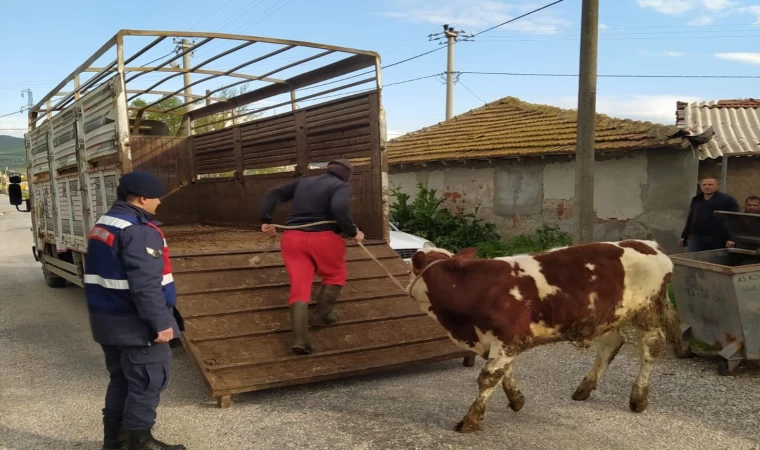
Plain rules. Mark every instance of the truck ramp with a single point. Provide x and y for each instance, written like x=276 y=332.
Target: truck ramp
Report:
x=232 y=293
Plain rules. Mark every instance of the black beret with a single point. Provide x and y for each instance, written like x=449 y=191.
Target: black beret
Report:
x=141 y=184
x=342 y=168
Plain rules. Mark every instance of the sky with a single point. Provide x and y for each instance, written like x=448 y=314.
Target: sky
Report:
x=43 y=43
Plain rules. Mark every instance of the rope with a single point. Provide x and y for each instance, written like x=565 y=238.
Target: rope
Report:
x=325 y=222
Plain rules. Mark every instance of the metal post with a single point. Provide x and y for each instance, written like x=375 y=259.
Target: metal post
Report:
x=451 y=36
x=188 y=89
x=584 y=153
x=724 y=174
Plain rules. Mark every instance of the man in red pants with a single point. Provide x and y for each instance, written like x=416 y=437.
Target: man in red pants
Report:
x=317 y=249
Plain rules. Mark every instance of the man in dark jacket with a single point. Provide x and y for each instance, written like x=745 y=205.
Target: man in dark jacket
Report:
x=316 y=249
x=130 y=297
x=703 y=230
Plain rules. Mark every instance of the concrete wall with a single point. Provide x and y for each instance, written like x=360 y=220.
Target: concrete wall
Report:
x=743 y=175
x=642 y=194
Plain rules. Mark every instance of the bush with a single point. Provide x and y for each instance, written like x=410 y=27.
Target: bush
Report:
x=544 y=238
x=428 y=218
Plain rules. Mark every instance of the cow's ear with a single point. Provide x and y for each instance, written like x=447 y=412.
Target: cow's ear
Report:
x=467 y=253
x=418 y=261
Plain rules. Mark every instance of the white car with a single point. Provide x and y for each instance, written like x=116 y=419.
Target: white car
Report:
x=406 y=244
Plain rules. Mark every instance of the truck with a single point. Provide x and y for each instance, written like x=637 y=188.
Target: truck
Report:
x=217 y=155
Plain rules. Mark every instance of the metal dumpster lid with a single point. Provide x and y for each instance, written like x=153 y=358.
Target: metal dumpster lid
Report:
x=744 y=228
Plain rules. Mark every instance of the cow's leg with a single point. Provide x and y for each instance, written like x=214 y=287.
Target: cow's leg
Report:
x=651 y=343
x=516 y=399
x=490 y=377
x=608 y=346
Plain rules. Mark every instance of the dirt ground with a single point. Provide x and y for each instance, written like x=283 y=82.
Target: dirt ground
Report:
x=199 y=238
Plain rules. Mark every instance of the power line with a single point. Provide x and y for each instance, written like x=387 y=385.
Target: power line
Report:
x=519 y=17
x=440 y=48
x=516 y=74
x=474 y=94
x=209 y=16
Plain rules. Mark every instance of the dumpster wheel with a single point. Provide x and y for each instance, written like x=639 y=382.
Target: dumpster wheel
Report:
x=728 y=367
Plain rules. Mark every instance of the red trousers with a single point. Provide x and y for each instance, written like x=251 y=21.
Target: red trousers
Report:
x=309 y=253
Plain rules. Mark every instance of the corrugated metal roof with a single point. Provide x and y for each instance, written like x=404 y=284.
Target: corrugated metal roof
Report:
x=736 y=124
x=511 y=127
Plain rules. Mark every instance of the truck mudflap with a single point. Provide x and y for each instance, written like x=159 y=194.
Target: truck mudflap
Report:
x=237 y=328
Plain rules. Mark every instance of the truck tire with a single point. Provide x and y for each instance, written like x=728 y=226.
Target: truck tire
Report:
x=53 y=280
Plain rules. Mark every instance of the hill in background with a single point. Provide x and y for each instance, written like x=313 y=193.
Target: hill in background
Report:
x=12 y=153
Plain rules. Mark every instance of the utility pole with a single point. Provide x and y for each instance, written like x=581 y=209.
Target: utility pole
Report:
x=451 y=36
x=585 y=152
x=184 y=44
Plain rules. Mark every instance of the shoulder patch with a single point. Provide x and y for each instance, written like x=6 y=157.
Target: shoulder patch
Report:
x=153 y=253
x=103 y=235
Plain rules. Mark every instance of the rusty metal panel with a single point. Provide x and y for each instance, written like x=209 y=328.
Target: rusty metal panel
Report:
x=233 y=292
x=102 y=186
x=169 y=159
x=64 y=138
x=99 y=116
x=37 y=143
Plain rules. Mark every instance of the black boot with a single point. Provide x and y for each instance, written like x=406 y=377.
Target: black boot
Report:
x=144 y=440
x=325 y=315
x=114 y=435
x=299 y=319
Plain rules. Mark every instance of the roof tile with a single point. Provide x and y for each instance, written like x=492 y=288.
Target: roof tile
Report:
x=511 y=127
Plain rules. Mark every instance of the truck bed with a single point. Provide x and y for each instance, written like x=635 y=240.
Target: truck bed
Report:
x=232 y=293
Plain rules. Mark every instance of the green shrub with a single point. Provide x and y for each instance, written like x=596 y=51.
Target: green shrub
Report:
x=544 y=238
x=428 y=218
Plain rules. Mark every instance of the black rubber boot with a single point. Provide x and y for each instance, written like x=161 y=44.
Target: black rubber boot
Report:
x=325 y=315
x=144 y=440
x=114 y=435
x=299 y=319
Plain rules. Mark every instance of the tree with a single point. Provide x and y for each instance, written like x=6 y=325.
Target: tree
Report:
x=210 y=123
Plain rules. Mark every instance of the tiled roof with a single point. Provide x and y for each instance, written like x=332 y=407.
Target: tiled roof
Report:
x=510 y=127
x=736 y=124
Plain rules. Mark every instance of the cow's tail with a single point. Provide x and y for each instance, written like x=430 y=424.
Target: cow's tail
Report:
x=670 y=324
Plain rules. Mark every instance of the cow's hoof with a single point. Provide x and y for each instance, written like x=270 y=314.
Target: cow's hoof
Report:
x=466 y=427
x=584 y=391
x=639 y=399
x=581 y=395
x=639 y=406
x=517 y=403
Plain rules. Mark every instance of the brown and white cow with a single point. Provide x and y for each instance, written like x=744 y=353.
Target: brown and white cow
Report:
x=500 y=307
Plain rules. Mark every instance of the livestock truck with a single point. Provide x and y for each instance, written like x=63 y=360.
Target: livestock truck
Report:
x=247 y=113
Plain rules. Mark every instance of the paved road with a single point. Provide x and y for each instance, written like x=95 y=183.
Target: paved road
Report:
x=52 y=381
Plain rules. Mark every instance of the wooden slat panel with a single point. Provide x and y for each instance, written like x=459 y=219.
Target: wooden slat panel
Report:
x=321 y=111
x=319 y=366
x=258 y=259
x=263 y=348
x=252 y=277
x=265 y=163
x=355 y=151
x=262 y=298
x=338 y=135
x=339 y=143
x=216 y=167
x=270 y=148
x=338 y=125
x=277 y=320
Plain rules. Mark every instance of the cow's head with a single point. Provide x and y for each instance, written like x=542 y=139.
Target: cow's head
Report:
x=426 y=256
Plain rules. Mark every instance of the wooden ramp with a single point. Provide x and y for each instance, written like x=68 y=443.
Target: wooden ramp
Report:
x=232 y=293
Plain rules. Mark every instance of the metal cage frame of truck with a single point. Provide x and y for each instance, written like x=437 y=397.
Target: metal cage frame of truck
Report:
x=216 y=164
